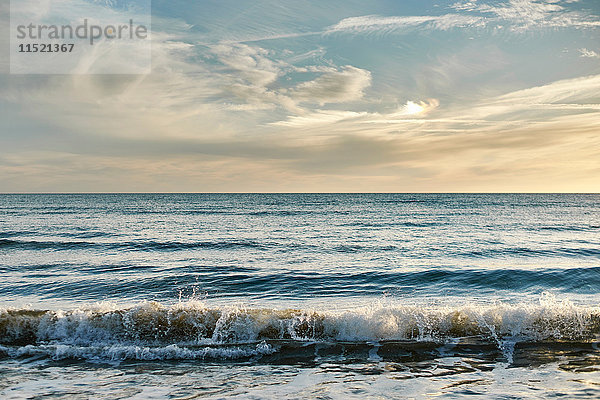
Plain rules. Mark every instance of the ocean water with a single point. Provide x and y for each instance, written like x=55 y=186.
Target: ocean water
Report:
x=181 y=296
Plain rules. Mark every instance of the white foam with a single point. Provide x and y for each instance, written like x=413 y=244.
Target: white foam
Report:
x=118 y=353
x=151 y=330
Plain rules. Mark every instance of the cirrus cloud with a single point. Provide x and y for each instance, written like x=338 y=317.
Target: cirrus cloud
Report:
x=334 y=86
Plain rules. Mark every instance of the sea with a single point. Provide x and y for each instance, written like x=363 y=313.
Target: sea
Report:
x=299 y=296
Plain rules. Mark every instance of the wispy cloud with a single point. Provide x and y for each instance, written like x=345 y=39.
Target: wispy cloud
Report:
x=253 y=76
x=585 y=53
x=571 y=101
x=576 y=99
x=322 y=118
x=516 y=15
x=522 y=15
x=318 y=118
x=248 y=75
x=566 y=91
x=385 y=25
x=333 y=86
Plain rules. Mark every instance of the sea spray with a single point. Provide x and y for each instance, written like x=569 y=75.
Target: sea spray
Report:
x=153 y=328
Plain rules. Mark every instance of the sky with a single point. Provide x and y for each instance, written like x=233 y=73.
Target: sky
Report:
x=322 y=96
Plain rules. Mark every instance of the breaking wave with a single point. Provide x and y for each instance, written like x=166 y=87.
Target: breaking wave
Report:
x=191 y=330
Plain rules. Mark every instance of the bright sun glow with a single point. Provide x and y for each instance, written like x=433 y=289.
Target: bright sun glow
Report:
x=412 y=108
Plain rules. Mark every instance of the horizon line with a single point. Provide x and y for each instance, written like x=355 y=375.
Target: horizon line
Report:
x=148 y=193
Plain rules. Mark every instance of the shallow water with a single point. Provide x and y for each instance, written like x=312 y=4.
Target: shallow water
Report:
x=299 y=296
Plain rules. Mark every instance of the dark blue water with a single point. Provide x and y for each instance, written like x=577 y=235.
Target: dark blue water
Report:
x=321 y=281
x=64 y=249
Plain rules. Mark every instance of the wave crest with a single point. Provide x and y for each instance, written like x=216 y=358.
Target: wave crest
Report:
x=194 y=322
